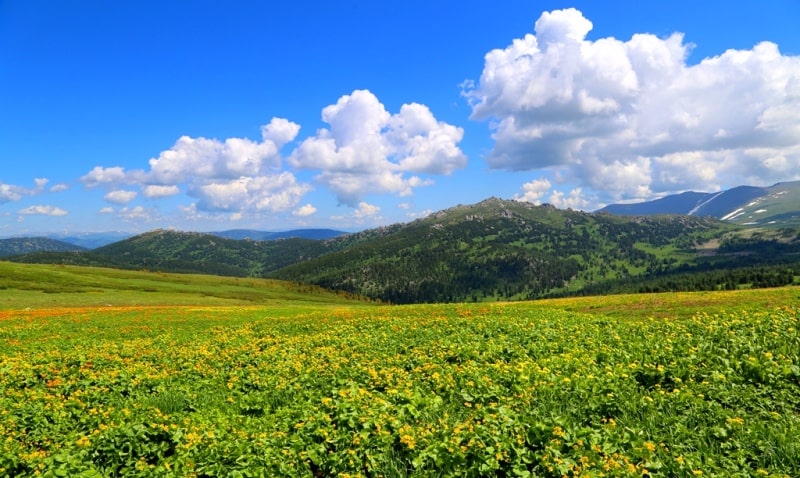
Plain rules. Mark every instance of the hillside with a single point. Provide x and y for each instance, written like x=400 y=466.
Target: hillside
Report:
x=26 y=245
x=24 y=286
x=774 y=206
x=254 y=235
x=504 y=249
x=492 y=250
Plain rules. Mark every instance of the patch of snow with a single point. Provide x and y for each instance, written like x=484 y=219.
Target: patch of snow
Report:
x=694 y=210
x=759 y=211
x=734 y=214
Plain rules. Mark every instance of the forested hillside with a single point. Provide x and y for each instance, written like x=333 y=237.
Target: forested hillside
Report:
x=26 y=245
x=504 y=249
x=492 y=250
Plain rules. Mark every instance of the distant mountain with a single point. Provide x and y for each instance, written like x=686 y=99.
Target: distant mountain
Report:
x=776 y=206
x=27 y=245
x=254 y=235
x=90 y=240
x=492 y=250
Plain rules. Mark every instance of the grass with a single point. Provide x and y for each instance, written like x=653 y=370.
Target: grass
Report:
x=283 y=384
x=37 y=286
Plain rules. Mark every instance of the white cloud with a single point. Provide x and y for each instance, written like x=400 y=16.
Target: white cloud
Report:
x=120 y=196
x=304 y=211
x=232 y=175
x=420 y=214
x=44 y=210
x=57 y=188
x=106 y=210
x=368 y=150
x=137 y=213
x=574 y=200
x=534 y=191
x=40 y=184
x=262 y=193
x=157 y=191
x=10 y=193
x=100 y=176
x=632 y=118
x=365 y=209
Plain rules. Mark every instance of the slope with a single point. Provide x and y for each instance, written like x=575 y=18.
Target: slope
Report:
x=26 y=245
x=34 y=286
x=503 y=249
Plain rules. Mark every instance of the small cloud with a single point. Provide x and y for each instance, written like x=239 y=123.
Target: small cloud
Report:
x=156 y=191
x=57 y=188
x=43 y=210
x=405 y=206
x=106 y=210
x=100 y=176
x=572 y=201
x=40 y=184
x=304 y=211
x=366 y=210
x=420 y=214
x=137 y=213
x=10 y=193
x=534 y=191
x=120 y=196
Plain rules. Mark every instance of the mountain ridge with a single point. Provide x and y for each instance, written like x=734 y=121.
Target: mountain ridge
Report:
x=492 y=250
x=773 y=206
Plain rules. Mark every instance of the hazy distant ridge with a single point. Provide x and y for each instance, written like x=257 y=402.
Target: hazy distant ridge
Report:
x=776 y=206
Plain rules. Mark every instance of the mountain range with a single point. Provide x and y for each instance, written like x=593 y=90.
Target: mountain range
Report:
x=774 y=206
x=492 y=250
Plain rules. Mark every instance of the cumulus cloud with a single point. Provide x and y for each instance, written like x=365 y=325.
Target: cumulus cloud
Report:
x=368 y=150
x=279 y=192
x=57 y=188
x=157 y=191
x=230 y=175
x=120 y=196
x=44 y=210
x=10 y=192
x=137 y=213
x=99 y=176
x=534 y=191
x=365 y=209
x=631 y=118
x=232 y=158
x=304 y=211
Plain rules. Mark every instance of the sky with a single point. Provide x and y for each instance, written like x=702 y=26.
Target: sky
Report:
x=207 y=116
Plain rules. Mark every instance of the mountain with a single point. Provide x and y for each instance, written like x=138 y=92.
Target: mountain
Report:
x=774 y=206
x=26 y=245
x=492 y=250
x=254 y=235
x=90 y=240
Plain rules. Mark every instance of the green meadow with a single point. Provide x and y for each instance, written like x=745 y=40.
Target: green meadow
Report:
x=122 y=373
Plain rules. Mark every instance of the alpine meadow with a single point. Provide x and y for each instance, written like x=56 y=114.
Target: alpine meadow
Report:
x=417 y=239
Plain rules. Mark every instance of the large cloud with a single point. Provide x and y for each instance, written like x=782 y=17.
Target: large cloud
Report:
x=237 y=174
x=368 y=150
x=632 y=118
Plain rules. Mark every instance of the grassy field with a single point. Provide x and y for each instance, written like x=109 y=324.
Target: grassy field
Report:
x=41 y=286
x=257 y=378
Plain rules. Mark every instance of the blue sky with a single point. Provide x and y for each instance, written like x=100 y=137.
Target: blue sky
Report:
x=208 y=116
